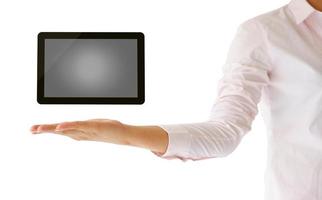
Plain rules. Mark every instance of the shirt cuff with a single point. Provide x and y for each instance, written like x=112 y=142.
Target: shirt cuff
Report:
x=179 y=140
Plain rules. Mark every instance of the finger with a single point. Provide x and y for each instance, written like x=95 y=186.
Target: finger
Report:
x=34 y=128
x=75 y=125
x=96 y=119
x=46 y=128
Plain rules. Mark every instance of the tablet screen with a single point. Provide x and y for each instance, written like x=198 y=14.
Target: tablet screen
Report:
x=90 y=68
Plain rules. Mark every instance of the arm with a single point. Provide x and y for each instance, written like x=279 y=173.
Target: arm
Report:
x=246 y=73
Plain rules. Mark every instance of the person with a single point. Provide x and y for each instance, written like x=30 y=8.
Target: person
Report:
x=275 y=57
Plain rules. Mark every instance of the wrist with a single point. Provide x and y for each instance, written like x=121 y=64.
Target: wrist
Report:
x=153 y=138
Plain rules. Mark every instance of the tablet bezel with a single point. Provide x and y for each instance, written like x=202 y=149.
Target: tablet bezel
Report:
x=41 y=99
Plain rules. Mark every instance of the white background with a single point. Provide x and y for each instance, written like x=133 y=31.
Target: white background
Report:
x=186 y=43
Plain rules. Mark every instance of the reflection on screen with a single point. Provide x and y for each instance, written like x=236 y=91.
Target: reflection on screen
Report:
x=90 y=68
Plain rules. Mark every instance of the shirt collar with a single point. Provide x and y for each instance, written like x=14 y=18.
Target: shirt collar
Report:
x=301 y=9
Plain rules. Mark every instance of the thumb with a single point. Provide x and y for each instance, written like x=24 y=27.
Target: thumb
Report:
x=75 y=125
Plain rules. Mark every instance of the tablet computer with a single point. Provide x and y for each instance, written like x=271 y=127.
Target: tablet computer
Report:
x=90 y=68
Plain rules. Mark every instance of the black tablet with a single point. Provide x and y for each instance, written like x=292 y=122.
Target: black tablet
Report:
x=90 y=68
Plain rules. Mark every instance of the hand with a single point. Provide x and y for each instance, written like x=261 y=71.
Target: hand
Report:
x=105 y=130
x=153 y=138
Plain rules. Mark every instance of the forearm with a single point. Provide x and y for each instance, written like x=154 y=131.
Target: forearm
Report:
x=153 y=138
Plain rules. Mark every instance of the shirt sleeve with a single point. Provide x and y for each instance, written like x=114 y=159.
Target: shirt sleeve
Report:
x=245 y=73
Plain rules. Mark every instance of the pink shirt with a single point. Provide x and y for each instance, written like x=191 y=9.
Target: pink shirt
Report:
x=275 y=58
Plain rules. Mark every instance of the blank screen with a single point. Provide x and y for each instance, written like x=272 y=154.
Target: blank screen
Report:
x=90 y=68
